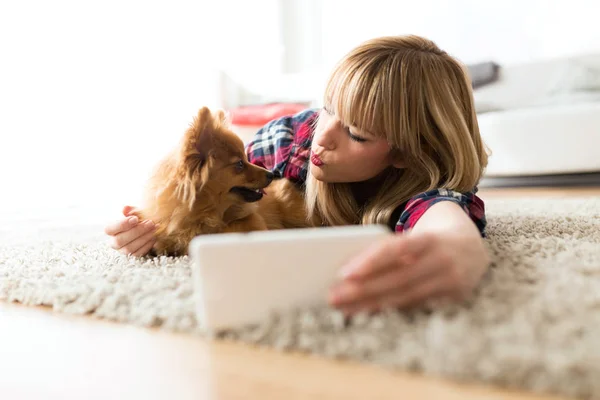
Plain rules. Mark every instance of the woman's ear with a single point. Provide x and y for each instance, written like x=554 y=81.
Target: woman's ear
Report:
x=398 y=160
x=399 y=164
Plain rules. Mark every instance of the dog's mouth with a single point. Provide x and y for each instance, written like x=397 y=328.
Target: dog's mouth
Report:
x=249 y=195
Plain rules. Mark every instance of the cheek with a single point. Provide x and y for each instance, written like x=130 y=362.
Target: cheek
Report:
x=373 y=157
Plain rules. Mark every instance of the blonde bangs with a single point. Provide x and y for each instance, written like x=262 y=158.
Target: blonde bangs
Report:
x=352 y=100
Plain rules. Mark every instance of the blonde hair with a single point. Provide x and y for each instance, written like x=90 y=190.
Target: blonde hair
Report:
x=406 y=89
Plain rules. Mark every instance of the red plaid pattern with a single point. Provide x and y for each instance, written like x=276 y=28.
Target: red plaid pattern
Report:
x=283 y=147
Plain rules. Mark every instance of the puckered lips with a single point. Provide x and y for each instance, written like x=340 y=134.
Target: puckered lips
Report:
x=316 y=160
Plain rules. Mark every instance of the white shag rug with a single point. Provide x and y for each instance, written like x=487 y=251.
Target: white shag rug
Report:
x=534 y=323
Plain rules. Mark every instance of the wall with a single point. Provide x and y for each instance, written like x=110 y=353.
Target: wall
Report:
x=317 y=33
x=509 y=31
x=92 y=94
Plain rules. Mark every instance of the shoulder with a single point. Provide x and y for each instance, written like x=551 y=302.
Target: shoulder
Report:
x=416 y=206
x=277 y=143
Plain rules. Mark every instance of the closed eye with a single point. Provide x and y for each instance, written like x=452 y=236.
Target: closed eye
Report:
x=354 y=137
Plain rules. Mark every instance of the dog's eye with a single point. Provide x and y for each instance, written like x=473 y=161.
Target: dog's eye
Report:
x=239 y=166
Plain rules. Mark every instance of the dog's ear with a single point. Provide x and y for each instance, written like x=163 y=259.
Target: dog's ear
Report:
x=204 y=147
x=198 y=140
x=222 y=117
x=210 y=123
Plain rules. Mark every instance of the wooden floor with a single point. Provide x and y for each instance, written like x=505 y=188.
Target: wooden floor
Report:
x=51 y=356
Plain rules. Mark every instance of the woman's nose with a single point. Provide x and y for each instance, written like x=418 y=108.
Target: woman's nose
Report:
x=327 y=137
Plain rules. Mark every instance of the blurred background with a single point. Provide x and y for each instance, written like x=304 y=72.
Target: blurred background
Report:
x=93 y=93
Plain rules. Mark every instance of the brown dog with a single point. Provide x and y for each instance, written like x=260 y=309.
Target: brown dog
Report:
x=206 y=185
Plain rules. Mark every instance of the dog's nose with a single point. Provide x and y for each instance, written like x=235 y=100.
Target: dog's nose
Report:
x=270 y=177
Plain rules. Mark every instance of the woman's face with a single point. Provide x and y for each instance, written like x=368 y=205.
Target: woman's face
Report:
x=344 y=154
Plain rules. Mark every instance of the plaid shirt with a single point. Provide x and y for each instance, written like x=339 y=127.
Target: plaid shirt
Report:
x=283 y=147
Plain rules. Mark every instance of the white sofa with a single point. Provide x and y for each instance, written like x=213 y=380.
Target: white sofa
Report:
x=543 y=118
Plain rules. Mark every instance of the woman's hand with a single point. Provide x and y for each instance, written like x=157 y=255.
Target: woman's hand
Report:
x=410 y=269
x=129 y=236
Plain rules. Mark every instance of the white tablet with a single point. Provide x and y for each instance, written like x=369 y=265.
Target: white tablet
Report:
x=241 y=278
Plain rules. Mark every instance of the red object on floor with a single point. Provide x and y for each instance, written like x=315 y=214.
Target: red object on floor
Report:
x=260 y=114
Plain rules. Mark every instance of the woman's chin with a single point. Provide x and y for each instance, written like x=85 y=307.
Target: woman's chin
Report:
x=318 y=174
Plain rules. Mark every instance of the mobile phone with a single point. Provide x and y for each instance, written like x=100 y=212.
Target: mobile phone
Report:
x=241 y=278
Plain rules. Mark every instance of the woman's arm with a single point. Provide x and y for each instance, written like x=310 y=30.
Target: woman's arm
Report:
x=446 y=217
x=442 y=256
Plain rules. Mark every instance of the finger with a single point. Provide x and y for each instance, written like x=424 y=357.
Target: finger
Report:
x=127 y=237
x=401 y=248
x=395 y=278
x=127 y=210
x=121 y=225
x=145 y=249
x=137 y=245
x=426 y=289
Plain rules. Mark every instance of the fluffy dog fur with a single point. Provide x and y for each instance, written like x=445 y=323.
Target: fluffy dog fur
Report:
x=206 y=185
